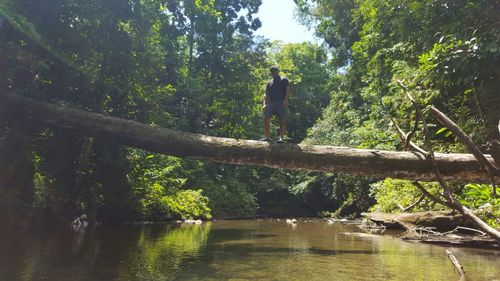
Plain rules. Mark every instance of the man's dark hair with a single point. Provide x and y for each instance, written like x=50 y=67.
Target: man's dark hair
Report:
x=274 y=69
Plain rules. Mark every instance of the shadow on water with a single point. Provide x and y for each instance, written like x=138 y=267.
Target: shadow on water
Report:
x=234 y=234
x=252 y=249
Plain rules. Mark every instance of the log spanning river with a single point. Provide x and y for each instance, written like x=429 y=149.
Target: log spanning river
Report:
x=230 y=250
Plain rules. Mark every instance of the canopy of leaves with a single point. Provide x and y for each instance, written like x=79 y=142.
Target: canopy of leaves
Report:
x=196 y=66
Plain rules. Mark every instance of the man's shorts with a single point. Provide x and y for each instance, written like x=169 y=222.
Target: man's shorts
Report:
x=276 y=108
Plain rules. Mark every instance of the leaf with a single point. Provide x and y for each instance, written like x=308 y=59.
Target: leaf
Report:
x=441 y=130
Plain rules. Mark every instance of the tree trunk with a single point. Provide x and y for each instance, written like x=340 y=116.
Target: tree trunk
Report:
x=364 y=162
x=441 y=220
x=16 y=169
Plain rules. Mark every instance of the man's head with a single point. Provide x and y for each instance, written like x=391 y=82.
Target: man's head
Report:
x=274 y=71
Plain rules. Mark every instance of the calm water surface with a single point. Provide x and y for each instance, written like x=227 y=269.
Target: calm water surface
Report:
x=230 y=250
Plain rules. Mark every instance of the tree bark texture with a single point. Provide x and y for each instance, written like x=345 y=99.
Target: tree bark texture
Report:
x=363 y=162
x=440 y=220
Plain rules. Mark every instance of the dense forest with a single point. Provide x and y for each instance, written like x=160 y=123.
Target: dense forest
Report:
x=196 y=66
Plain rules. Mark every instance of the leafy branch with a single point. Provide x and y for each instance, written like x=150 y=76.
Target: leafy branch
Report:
x=449 y=199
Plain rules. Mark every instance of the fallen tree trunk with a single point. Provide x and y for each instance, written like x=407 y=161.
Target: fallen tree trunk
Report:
x=441 y=220
x=364 y=162
x=435 y=227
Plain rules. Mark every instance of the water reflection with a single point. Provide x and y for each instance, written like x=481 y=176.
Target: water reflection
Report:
x=242 y=250
x=114 y=253
x=160 y=253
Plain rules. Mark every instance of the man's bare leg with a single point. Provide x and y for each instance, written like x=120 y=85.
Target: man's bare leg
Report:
x=267 y=124
x=282 y=128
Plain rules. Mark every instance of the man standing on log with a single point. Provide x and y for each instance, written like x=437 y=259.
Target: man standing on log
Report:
x=276 y=102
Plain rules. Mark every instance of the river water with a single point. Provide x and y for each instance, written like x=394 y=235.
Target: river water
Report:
x=230 y=250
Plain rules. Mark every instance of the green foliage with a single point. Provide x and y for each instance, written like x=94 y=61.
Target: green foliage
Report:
x=196 y=66
x=154 y=205
x=188 y=204
x=442 y=51
x=334 y=194
x=159 y=182
x=150 y=169
x=305 y=65
x=479 y=196
x=390 y=193
x=336 y=24
x=230 y=194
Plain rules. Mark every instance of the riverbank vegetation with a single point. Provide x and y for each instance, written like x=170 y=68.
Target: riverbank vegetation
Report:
x=197 y=66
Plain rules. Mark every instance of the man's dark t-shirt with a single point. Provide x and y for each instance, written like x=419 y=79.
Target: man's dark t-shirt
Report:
x=276 y=89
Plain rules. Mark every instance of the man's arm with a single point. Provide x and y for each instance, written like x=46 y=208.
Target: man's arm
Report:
x=288 y=93
x=266 y=97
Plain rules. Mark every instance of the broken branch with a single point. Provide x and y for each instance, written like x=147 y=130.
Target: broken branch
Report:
x=467 y=141
x=456 y=263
